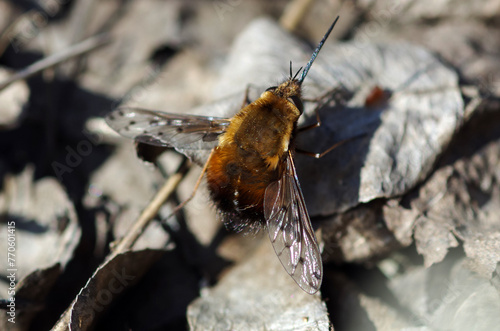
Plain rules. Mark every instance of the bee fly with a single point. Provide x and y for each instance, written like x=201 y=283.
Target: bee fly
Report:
x=250 y=172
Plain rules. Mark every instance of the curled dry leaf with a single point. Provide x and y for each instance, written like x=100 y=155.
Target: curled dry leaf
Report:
x=108 y=282
x=257 y=295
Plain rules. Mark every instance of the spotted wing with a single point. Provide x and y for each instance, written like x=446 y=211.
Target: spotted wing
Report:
x=168 y=130
x=290 y=230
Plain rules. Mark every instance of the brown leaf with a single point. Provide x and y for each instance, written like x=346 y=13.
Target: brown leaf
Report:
x=106 y=285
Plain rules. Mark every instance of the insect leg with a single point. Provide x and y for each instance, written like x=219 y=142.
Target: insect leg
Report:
x=198 y=182
x=314 y=125
x=328 y=150
x=338 y=94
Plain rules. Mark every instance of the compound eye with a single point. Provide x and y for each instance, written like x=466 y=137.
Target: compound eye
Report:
x=297 y=102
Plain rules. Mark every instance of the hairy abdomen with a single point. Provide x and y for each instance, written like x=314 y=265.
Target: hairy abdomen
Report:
x=237 y=185
x=247 y=160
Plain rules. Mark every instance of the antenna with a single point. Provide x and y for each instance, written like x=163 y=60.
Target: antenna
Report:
x=297 y=73
x=316 y=51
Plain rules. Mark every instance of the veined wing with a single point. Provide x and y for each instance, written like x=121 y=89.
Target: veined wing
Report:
x=290 y=230
x=168 y=130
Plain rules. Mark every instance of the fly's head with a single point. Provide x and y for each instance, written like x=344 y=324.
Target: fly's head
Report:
x=289 y=90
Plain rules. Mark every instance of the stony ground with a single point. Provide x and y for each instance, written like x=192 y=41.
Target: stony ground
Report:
x=408 y=212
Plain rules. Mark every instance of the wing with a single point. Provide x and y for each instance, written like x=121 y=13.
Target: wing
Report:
x=168 y=130
x=290 y=230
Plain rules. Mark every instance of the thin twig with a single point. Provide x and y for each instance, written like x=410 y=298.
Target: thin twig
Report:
x=294 y=13
x=52 y=60
x=150 y=211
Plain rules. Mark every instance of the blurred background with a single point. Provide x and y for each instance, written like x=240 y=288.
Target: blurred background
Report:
x=419 y=252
